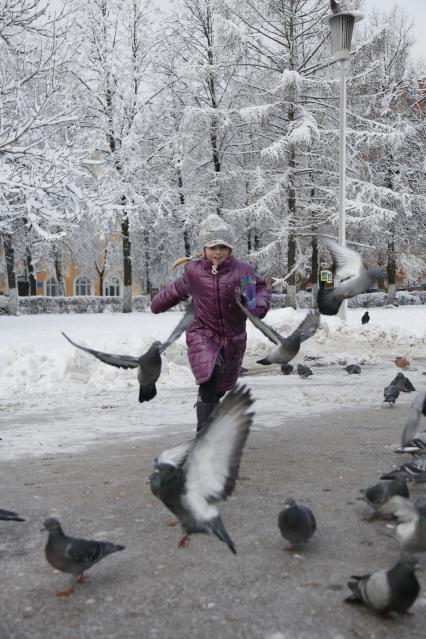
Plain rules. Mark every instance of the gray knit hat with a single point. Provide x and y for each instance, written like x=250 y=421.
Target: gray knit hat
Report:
x=214 y=230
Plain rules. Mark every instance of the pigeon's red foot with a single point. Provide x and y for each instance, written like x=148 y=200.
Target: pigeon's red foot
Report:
x=65 y=593
x=172 y=522
x=81 y=579
x=184 y=541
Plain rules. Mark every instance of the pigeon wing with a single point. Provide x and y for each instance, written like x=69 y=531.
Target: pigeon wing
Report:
x=83 y=552
x=308 y=327
x=401 y=508
x=347 y=263
x=410 y=428
x=183 y=325
x=8 y=515
x=121 y=361
x=212 y=465
x=268 y=331
x=175 y=456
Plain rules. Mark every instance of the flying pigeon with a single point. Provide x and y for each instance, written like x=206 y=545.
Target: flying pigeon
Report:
x=353 y=279
x=353 y=369
x=335 y=6
x=379 y=494
x=296 y=523
x=286 y=369
x=148 y=364
x=288 y=347
x=418 y=408
x=413 y=470
x=72 y=555
x=391 y=394
x=393 y=590
x=8 y=515
x=191 y=477
x=365 y=318
x=403 y=383
x=303 y=371
x=410 y=532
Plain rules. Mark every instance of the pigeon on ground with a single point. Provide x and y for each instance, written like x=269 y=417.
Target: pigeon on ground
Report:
x=353 y=369
x=352 y=277
x=410 y=532
x=296 y=523
x=303 y=371
x=379 y=494
x=8 y=515
x=148 y=364
x=365 y=318
x=335 y=6
x=288 y=347
x=414 y=471
x=384 y=591
x=191 y=477
x=417 y=409
x=403 y=383
x=286 y=369
x=72 y=555
x=402 y=362
x=416 y=446
x=391 y=394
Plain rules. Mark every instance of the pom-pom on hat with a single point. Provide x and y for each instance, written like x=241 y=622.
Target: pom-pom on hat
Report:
x=214 y=230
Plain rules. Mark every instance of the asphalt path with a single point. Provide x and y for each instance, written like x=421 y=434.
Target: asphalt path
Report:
x=153 y=589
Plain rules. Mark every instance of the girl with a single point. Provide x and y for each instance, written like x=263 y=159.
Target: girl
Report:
x=217 y=337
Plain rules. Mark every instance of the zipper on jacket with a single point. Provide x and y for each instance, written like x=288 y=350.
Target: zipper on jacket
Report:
x=216 y=281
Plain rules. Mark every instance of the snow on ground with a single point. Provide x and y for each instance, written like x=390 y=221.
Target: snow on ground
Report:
x=54 y=397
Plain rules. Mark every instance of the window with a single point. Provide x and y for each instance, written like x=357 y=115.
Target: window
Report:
x=112 y=287
x=52 y=288
x=82 y=286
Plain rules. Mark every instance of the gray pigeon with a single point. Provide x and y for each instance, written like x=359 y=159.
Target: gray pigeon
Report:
x=379 y=494
x=403 y=383
x=72 y=555
x=418 y=408
x=296 y=523
x=148 y=364
x=410 y=532
x=391 y=394
x=353 y=278
x=8 y=515
x=384 y=591
x=303 y=371
x=288 y=347
x=191 y=477
x=414 y=471
x=335 y=6
x=353 y=369
x=365 y=318
x=286 y=369
x=415 y=446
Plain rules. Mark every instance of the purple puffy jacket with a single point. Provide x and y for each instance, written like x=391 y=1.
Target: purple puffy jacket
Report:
x=219 y=325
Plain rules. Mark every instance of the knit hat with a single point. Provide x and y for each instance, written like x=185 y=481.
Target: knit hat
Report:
x=214 y=230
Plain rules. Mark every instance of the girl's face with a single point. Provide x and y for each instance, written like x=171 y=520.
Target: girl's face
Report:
x=217 y=254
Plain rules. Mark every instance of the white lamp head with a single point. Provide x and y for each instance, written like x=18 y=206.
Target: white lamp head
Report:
x=341 y=30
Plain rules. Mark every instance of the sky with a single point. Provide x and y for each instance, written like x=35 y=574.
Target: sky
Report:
x=415 y=9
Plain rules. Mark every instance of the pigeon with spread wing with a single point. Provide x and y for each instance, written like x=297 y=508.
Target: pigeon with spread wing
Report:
x=191 y=477
x=352 y=278
x=148 y=364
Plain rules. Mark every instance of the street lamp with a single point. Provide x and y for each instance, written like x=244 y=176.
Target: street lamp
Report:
x=341 y=30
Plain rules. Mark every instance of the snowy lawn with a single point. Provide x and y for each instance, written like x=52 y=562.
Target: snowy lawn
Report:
x=54 y=397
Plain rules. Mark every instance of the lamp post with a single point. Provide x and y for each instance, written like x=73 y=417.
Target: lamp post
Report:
x=341 y=30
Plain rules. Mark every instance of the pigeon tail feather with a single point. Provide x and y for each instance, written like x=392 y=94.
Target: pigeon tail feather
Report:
x=263 y=361
x=147 y=393
x=219 y=530
x=327 y=303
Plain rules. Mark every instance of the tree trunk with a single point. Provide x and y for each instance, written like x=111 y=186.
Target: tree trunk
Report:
x=31 y=271
x=291 y=192
x=186 y=242
x=127 y=263
x=148 y=283
x=59 y=273
x=314 y=271
x=9 y=253
x=392 y=271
